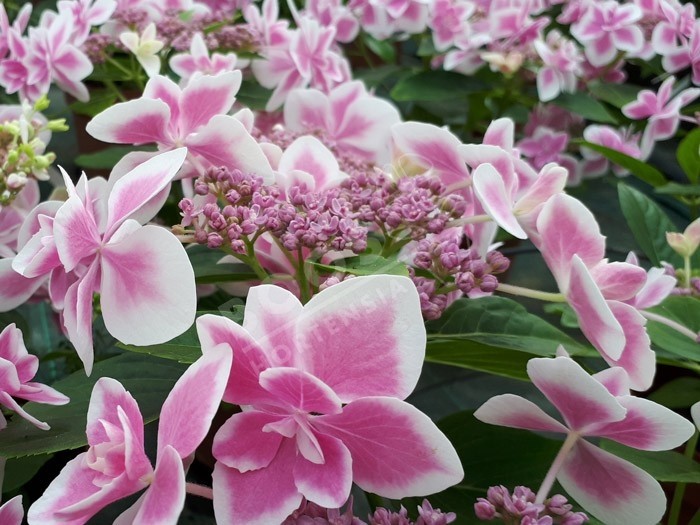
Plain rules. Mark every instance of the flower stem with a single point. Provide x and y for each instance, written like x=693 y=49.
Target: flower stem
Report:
x=199 y=490
x=548 y=481
x=532 y=294
x=688 y=270
x=304 y=290
x=671 y=324
x=475 y=219
x=677 y=502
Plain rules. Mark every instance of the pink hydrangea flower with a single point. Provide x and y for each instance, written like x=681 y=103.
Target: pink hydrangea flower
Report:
x=332 y=13
x=571 y=244
x=18 y=26
x=662 y=112
x=198 y=60
x=610 y=488
x=561 y=59
x=594 y=163
x=18 y=369
x=141 y=272
x=12 y=217
x=306 y=58
x=383 y=18
x=449 y=21
x=325 y=401
x=351 y=119
x=607 y=28
x=676 y=25
x=194 y=116
x=686 y=55
x=85 y=15
x=657 y=287
x=116 y=466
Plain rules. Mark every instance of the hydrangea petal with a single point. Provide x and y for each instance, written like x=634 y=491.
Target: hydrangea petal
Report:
x=581 y=400
x=299 y=390
x=147 y=276
x=165 y=498
x=513 y=411
x=12 y=512
x=138 y=121
x=241 y=442
x=491 y=191
x=397 y=451
x=333 y=336
x=613 y=490
x=258 y=497
x=329 y=483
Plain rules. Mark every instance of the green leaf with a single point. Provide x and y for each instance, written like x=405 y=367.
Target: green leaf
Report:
x=636 y=167
x=369 y=264
x=384 y=49
x=184 y=348
x=147 y=378
x=477 y=356
x=688 y=155
x=436 y=85
x=503 y=323
x=99 y=101
x=684 y=190
x=586 y=106
x=19 y=471
x=427 y=47
x=568 y=316
x=107 y=158
x=490 y=455
x=684 y=310
x=378 y=75
x=207 y=269
x=253 y=95
x=649 y=225
x=617 y=95
x=664 y=466
x=679 y=393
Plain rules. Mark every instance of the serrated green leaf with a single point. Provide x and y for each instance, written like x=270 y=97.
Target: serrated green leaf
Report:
x=369 y=264
x=688 y=155
x=149 y=380
x=107 y=158
x=664 y=466
x=436 y=85
x=617 y=95
x=253 y=95
x=501 y=323
x=636 y=167
x=99 y=101
x=477 y=356
x=681 y=309
x=184 y=348
x=679 y=393
x=19 y=471
x=684 y=190
x=384 y=49
x=649 y=225
x=586 y=106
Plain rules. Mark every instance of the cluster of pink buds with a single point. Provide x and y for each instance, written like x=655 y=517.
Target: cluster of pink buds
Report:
x=520 y=508
x=310 y=513
x=409 y=208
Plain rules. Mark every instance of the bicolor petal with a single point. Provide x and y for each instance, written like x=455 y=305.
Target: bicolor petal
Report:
x=508 y=410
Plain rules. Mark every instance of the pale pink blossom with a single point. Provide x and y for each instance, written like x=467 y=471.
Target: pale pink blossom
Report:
x=18 y=25
x=324 y=401
x=349 y=117
x=86 y=14
x=332 y=13
x=18 y=369
x=12 y=217
x=198 y=61
x=594 y=163
x=686 y=243
x=569 y=238
x=52 y=57
x=608 y=28
x=561 y=59
x=309 y=164
x=686 y=55
x=383 y=18
x=675 y=26
x=449 y=21
x=194 y=116
x=115 y=464
x=612 y=489
x=663 y=113
x=657 y=287
x=265 y=21
x=94 y=242
x=307 y=58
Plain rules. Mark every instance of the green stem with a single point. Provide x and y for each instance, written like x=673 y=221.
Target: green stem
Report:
x=251 y=260
x=671 y=324
x=551 y=476
x=677 y=502
x=301 y=278
x=532 y=294
x=113 y=87
x=121 y=68
x=687 y=269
